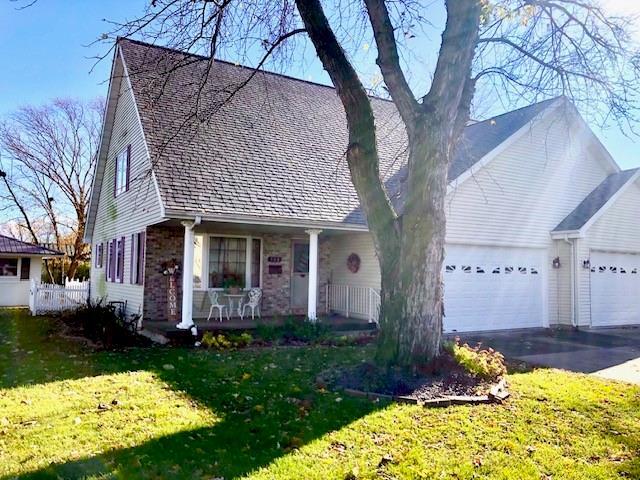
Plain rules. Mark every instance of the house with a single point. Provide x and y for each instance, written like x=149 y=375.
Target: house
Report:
x=19 y=263
x=542 y=224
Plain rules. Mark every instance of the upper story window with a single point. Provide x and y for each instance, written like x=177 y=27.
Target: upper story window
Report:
x=123 y=161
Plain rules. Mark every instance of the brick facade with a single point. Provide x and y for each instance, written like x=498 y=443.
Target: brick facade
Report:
x=162 y=245
x=165 y=243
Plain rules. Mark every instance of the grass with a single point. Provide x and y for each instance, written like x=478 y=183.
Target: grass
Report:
x=68 y=412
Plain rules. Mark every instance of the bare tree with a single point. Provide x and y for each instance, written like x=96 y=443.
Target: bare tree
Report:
x=508 y=48
x=47 y=167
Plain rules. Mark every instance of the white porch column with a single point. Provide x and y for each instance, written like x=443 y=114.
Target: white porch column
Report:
x=187 y=275
x=313 y=274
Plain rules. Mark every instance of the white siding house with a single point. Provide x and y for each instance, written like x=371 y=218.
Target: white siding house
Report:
x=536 y=207
x=20 y=262
x=114 y=217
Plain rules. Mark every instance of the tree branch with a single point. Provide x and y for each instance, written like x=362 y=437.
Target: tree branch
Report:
x=362 y=154
x=389 y=62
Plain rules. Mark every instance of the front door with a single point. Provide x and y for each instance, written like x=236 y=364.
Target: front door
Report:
x=300 y=274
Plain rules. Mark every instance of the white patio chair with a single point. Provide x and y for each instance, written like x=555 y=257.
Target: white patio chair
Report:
x=213 y=298
x=255 y=295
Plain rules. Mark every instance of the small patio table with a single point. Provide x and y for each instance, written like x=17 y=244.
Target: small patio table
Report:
x=234 y=298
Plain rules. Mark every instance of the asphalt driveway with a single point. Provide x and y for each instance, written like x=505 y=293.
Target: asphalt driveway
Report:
x=610 y=353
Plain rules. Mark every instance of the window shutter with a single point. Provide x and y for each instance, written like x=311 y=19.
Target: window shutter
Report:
x=107 y=265
x=115 y=178
x=121 y=260
x=132 y=270
x=141 y=253
x=101 y=246
x=128 y=169
x=25 y=268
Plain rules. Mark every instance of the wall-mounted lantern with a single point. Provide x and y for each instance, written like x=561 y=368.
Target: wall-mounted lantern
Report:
x=556 y=262
x=586 y=264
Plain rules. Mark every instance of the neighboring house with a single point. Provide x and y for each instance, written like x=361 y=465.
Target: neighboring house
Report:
x=19 y=262
x=542 y=226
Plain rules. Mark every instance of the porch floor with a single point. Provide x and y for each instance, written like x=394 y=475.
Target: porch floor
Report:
x=338 y=323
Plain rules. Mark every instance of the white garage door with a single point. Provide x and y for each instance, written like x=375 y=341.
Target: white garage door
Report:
x=615 y=289
x=490 y=288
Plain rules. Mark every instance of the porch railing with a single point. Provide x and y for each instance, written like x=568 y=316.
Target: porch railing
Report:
x=351 y=301
x=45 y=297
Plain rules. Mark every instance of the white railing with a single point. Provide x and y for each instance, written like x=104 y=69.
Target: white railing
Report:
x=350 y=301
x=47 y=297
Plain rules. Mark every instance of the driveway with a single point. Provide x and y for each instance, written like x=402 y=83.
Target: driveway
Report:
x=610 y=353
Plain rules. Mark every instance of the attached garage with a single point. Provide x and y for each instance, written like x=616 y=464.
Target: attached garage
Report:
x=615 y=289
x=493 y=288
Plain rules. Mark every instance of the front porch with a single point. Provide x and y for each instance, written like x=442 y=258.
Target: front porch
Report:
x=337 y=323
x=293 y=267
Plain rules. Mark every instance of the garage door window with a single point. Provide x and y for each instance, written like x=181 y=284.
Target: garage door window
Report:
x=8 y=267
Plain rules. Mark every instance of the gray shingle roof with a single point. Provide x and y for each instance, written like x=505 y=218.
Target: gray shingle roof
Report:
x=15 y=246
x=276 y=149
x=595 y=201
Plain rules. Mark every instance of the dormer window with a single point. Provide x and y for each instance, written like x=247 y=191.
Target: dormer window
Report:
x=123 y=160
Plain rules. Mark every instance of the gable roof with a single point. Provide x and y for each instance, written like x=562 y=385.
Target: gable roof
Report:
x=597 y=200
x=481 y=138
x=276 y=149
x=14 y=246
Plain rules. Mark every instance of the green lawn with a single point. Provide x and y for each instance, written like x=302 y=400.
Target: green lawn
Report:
x=182 y=413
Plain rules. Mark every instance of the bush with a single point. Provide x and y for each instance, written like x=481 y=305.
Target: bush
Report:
x=484 y=363
x=225 y=342
x=294 y=330
x=102 y=323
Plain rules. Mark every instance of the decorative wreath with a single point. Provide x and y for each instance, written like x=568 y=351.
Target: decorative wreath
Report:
x=353 y=263
x=172 y=267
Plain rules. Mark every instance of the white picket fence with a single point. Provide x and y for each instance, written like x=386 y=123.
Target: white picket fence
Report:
x=47 y=297
x=350 y=301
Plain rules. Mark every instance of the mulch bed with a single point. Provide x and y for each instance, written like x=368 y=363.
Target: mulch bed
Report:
x=446 y=384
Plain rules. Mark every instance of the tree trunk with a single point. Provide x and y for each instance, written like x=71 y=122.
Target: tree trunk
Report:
x=409 y=243
x=412 y=288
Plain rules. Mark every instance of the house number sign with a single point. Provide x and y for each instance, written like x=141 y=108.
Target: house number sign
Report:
x=275 y=265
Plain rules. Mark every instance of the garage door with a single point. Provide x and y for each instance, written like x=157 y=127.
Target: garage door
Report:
x=615 y=289
x=487 y=288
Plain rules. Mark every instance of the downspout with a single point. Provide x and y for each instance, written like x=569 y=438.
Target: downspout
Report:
x=573 y=281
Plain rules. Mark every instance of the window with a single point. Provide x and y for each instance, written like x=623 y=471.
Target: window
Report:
x=115 y=260
x=232 y=261
x=99 y=253
x=25 y=269
x=8 y=267
x=121 y=183
x=136 y=271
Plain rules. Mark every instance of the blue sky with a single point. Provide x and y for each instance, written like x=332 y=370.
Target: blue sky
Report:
x=45 y=55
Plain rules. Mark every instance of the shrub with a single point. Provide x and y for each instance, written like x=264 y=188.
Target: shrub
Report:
x=225 y=342
x=102 y=323
x=484 y=363
x=295 y=330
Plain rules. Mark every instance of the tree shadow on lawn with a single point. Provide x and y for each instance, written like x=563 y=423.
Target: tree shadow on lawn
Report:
x=265 y=399
x=262 y=417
